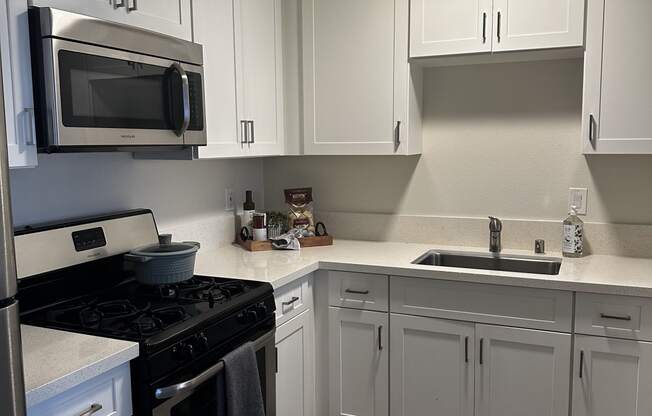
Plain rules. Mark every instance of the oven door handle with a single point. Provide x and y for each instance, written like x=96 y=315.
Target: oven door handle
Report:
x=173 y=390
x=185 y=94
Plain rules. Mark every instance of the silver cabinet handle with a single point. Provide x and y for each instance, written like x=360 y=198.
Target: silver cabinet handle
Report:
x=498 y=30
x=291 y=301
x=484 y=27
x=481 y=351
x=185 y=93
x=616 y=317
x=133 y=7
x=581 y=363
x=252 y=138
x=30 y=135
x=466 y=349
x=243 y=132
x=397 y=135
x=118 y=3
x=380 y=338
x=95 y=407
x=591 y=129
x=357 y=292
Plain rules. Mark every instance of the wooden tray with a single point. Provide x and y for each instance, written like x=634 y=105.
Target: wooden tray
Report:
x=266 y=245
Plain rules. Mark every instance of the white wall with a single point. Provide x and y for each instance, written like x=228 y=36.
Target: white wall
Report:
x=69 y=185
x=501 y=139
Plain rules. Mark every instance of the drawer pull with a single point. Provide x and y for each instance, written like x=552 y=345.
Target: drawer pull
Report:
x=291 y=301
x=616 y=317
x=466 y=349
x=95 y=407
x=380 y=338
x=357 y=292
x=481 y=351
x=581 y=363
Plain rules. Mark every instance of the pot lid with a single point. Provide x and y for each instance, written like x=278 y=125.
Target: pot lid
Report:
x=163 y=250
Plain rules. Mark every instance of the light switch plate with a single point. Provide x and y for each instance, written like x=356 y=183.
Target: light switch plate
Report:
x=578 y=197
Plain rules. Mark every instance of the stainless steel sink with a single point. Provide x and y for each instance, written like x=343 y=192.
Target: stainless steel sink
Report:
x=490 y=261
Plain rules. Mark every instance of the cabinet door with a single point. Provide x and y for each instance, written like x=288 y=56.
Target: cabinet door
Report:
x=258 y=52
x=432 y=366
x=213 y=28
x=522 y=372
x=617 y=83
x=171 y=17
x=538 y=24
x=295 y=380
x=612 y=377
x=17 y=83
x=355 y=76
x=444 y=27
x=358 y=354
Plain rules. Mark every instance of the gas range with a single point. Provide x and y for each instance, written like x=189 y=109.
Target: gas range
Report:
x=183 y=329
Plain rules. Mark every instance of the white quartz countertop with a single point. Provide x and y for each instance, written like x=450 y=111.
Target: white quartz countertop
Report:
x=594 y=273
x=55 y=361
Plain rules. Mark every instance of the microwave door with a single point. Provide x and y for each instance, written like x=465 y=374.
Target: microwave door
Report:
x=106 y=97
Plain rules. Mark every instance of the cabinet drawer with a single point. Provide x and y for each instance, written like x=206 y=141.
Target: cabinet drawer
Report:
x=614 y=316
x=111 y=391
x=502 y=305
x=358 y=290
x=292 y=299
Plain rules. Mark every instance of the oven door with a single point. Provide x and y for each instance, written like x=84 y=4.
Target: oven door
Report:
x=98 y=96
x=198 y=396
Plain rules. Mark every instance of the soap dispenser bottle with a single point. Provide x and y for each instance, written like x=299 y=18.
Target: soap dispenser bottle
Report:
x=573 y=242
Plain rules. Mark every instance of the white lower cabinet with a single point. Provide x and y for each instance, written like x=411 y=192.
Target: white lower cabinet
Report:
x=295 y=380
x=464 y=369
x=522 y=372
x=108 y=394
x=612 y=377
x=359 y=362
x=432 y=366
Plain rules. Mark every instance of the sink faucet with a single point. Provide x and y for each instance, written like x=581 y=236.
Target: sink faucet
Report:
x=495 y=227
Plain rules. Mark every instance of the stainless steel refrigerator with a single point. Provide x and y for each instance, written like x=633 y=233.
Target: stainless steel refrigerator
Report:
x=12 y=387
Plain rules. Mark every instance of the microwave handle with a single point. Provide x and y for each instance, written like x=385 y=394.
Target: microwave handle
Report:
x=185 y=93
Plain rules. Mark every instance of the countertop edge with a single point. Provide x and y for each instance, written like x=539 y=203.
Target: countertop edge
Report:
x=62 y=384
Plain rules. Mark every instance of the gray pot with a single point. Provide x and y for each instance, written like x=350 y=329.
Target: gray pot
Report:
x=160 y=264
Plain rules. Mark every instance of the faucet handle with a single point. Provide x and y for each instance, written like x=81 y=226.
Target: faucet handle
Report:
x=495 y=225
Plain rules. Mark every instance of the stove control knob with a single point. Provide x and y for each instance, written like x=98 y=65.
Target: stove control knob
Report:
x=248 y=317
x=261 y=309
x=185 y=351
x=202 y=342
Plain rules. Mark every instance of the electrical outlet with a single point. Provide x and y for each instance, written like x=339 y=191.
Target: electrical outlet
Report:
x=228 y=196
x=578 y=197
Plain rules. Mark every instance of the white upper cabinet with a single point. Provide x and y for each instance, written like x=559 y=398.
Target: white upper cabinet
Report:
x=522 y=372
x=440 y=27
x=617 y=115
x=612 y=377
x=259 y=79
x=17 y=83
x=432 y=366
x=171 y=17
x=243 y=76
x=538 y=24
x=444 y=27
x=358 y=93
x=213 y=28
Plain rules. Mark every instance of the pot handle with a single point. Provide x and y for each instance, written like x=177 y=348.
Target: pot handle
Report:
x=192 y=243
x=136 y=259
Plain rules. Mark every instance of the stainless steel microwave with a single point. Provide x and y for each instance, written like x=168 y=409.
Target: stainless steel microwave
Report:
x=100 y=85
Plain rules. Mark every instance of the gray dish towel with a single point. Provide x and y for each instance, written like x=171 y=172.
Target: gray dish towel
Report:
x=240 y=384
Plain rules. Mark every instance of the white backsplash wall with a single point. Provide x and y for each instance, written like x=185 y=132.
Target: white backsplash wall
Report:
x=187 y=197
x=499 y=139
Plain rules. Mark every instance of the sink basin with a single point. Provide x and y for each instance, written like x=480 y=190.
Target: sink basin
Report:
x=490 y=261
